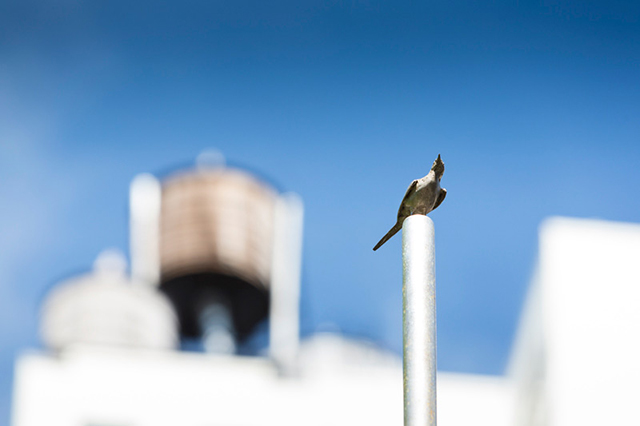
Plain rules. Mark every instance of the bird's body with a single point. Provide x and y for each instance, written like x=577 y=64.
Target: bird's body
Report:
x=422 y=197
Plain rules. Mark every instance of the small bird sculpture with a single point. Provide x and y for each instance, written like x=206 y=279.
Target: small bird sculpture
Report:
x=422 y=196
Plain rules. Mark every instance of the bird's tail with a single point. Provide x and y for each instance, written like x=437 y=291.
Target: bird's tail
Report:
x=388 y=235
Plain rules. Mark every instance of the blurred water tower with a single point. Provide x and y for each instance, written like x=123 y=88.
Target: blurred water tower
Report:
x=225 y=247
x=105 y=308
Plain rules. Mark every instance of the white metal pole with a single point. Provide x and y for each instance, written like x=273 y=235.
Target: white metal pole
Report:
x=419 y=321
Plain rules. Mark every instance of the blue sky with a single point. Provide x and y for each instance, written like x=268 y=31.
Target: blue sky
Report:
x=533 y=106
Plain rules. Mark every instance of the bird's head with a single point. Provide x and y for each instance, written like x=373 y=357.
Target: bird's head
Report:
x=438 y=167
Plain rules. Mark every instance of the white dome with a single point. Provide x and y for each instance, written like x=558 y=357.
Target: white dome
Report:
x=105 y=308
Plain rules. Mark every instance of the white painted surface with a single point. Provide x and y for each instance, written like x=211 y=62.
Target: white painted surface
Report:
x=577 y=352
x=88 y=386
x=590 y=277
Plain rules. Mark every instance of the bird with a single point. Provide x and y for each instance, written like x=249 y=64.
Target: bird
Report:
x=423 y=196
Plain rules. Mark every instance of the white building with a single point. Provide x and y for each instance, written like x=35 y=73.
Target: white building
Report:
x=341 y=382
x=574 y=362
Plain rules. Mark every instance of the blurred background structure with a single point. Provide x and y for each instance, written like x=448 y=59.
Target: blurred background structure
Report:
x=533 y=106
x=215 y=251
x=110 y=359
x=575 y=356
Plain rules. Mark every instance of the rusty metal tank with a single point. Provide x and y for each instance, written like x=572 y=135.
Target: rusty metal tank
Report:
x=216 y=242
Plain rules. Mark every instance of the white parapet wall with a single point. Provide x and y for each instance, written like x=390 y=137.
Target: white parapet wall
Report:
x=577 y=354
x=341 y=382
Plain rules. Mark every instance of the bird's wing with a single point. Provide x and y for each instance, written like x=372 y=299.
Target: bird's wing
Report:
x=403 y=205
x=443 y=193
